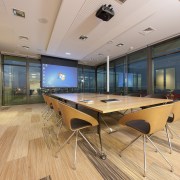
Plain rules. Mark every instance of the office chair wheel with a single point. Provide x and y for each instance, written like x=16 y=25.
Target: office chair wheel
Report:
x=103 y=156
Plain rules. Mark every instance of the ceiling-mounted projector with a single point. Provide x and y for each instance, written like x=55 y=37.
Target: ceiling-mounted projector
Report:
x=105 y=12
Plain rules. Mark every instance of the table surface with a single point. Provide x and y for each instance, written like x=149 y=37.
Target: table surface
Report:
x=122 y=103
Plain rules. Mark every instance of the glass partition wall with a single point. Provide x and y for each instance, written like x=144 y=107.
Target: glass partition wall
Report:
x=21 y=81
x=127 y=74
x=101 y=79
x=34 y=83
x=130 y=74
x=86 y=79
x=120 y=76
x=166 y=59
x=137 y=73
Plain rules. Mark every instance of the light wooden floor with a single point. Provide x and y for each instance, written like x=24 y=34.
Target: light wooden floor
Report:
x=25 y=156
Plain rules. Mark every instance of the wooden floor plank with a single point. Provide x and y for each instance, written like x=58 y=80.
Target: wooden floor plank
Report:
x=24 y=153
x=6 y=142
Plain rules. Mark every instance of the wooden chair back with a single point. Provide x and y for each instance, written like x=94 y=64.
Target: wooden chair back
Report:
x=69 y=113
x=48 y=100
x=176 y=111
x=155 y=116
x=55 y=104
x=160 y=96
x=45 y=98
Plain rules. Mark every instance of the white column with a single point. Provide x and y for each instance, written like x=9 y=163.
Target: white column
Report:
x=107 y=73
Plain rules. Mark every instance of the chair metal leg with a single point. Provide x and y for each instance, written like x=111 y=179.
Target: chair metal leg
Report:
x=50 y=115
x=47 y=114
x=160 y=153
x=75 y=150
x=172 y=131
x=66 y=141
x=87 y=141
x=61 y=123
x=44 y=108
x=144 y=149
x=46 y=111
x=169 y=140
x=129 y=144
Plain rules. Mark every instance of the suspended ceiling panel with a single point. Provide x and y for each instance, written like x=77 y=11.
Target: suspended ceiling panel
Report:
x=53 y=27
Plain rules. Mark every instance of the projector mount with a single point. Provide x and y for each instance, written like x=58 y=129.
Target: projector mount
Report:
x=105 y=12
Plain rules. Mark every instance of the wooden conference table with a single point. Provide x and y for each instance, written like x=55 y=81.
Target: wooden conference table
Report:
x=106 y=103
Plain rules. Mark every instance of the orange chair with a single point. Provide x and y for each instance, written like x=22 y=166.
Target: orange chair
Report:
x=175 y=116
x=147 y=122
x=75 y=120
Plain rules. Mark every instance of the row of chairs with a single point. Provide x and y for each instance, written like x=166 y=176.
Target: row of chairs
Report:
x=72 y=119
x=146 y=121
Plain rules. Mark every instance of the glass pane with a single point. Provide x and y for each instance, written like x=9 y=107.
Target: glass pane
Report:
x=111 y=78
x=14 y=60
x=159 y=85
x=14 y=90
x=170 y=65
x=89 y=79
x=119 y=68
x=34 y=85
x=80 y=78
x=137 y=72
x=35 y=64
x=166 y=47
x=101 y=79
x=170 y=78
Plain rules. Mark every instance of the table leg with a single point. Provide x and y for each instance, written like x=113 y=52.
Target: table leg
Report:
x=102 y=155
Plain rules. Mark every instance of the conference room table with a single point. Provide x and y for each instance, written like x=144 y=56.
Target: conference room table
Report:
x=107 y=103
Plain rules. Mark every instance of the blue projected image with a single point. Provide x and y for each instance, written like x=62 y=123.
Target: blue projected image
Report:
x=58 y=76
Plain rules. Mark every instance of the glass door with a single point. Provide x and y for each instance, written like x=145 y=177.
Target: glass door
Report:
x=35 y=94
x=14 y=85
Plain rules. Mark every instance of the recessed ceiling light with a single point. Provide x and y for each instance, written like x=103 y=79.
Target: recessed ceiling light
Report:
x=83 y=37
x=19 y=13
x=68 y=53
x=120 y=44
x=25 y=47
x=23 y=37
x=43 y=20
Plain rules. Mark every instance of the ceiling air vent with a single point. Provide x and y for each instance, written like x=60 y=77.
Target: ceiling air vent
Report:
x=147 y=31
x=83 y=37
x=19 y=13
x=23 y=37
x=121 y=1
x=120 y=44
